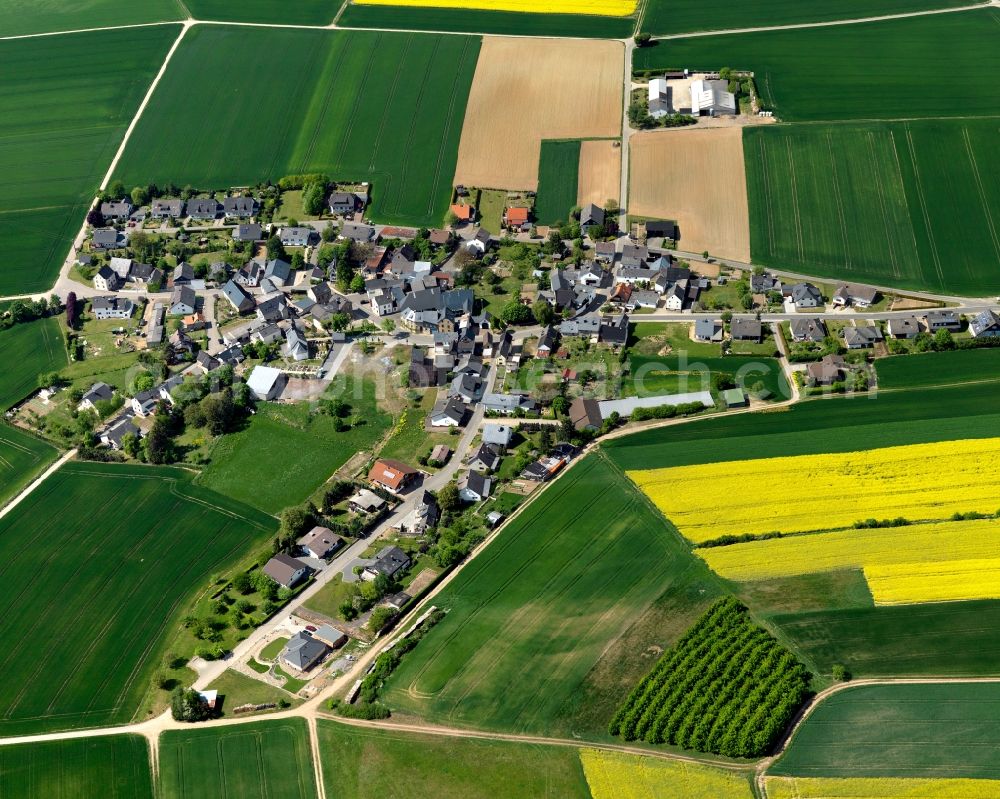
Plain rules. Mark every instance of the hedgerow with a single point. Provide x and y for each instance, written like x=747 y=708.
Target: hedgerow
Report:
x=727 y=687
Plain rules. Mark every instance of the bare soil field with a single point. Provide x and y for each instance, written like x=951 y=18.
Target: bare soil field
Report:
x=697 y=178
x=600 y=172
x=526 y=90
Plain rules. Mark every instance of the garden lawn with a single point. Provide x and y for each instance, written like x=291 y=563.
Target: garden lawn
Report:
x=300 y=12
x=683 y=16
x=29 y=350
x=125 y=550
x=22 y=458
x=268 y=759
x=24 y=17
x=542 y=605
x=894 y=69
x=286 y=452
x=359 y=763
x=906 y=204
x=938 y=368
x=558 y=173
x=843 y=424
x=926 y=730
x=65 y=103
x=114 y=766
x=381 y=107
x=654 y=375
x=950 y=639
x=495 y=22
x=237 y=689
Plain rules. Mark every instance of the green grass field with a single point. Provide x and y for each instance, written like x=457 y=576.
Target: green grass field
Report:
x=360 y=763
x=268 y=759
x=124 y=547
x=670 y=16
x=112 y=767
x=301 y=12
x=896 y=69
x=900 y=203
x=65 y=102
x=842 y=424
x=477 y=21
x=22 y=458
x=943 y=730
x=285 y=453
x=382 y=107
x=24 y=17
x=561 y=588
x=558 y=172
x=29 y=349
x=947 y=639
x=654 y=375
x=936 y=368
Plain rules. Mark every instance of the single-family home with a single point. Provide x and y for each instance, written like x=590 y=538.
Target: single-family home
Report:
x=661 y=229
x=804 y=295
x=183 y=274
x=424 y=515
x=440 y=453
x=813 y=329
x=121 y=267
x=985 y=324
x=497 y=435
x=106 y=280
x=183 y=301
x=365 y=501
x=764 y=283
x=302 y=652
x=107 y=239
x=392 y=475
x=854 y=294
x=708 y=330
x=448 y=413
x=99 y=392
x=861 y=336
x=238 y=297
x=516 y=216
x=166 y=209
x=146 y=275
x=591 y=214
x=474 y=487
x=744 y=328
x=479 y=243
x=388 y=562
x=485 y=459
x=904 y=327
x=250 y=274
x=296 y=236
x=120 y=209
x=320 y=542
x=634 y=256
x=614 y=331
x=645 y=299
x=296 y=346
x=112 y=308
x=115 y=433
x=547 y=342
x=285 y=570
x=267 y=334
x=266 y=382
x=240 y=207
x=363 y=234
x=605 y=252
x=203 y=208
x=464 y=214
x=826 y=371
x=273 y=308
x=343 y=203
x=943 y=320
x=206 y=363
x=248 y=232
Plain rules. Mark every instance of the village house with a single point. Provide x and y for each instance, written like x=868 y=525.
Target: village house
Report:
x=296 y=346
x=508 y=404
x=813 y=329
x=120 y=209
x=423 y=517
x=320 y=543
x=708 y=330
x=485 y=459
x=99 y=392
x=240 y=207
x=166 y=209
x=115 y=433
x=106 y=280
x=107 y=239
x=985 y=324
x=861 y=336
x=449 y=413
x=112 y=308
x=266 y=382
x=855 y=294
x=585 y=414
x=302 y=652
x=804 y=295
x=248 y=232
x=660 y=229
x=474 y=487
x=238 y=297
x=183 y=301
x=388 y=562
x=285 y=570
x=480 y=243
x=296 y=236
x=392 y=475
x=743 y=328
x=905 y=327
x=591 y=215
x=497 y=435
x=826 y=371
x=203 y=209
x=342 y=203
x=943 y=320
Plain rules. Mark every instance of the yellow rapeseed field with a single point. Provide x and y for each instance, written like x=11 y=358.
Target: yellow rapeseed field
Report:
x=612 y=775
x=920 y=563
x=824 y=492
x=880 y=788
x=606 y=8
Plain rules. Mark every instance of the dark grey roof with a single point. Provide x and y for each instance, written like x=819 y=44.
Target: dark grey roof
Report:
x=302 y=651
x=248 y=232
x=239 y=206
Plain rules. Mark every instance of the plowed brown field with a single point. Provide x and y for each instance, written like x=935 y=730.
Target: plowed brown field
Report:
x=600 y=172
x=526 y=90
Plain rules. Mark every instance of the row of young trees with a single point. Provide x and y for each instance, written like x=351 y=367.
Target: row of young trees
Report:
x=727 y=687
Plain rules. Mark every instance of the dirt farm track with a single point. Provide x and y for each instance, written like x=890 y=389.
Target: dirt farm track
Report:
x=527 y=90
x=695 y=176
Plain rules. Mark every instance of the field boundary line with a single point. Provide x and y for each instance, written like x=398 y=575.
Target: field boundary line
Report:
x=982 y=193
x=902 y=192
x=923 y=206
x=92 y=30
x=840 y=205
x=828 y=23
x=793 y=179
